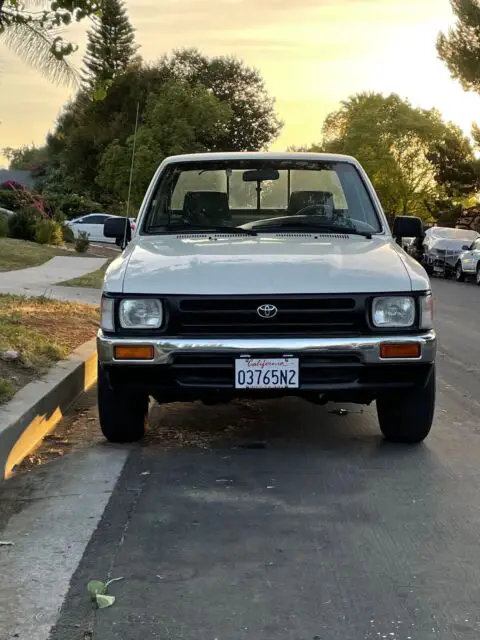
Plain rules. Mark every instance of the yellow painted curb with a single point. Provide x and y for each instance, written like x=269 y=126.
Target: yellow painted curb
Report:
x=36 y=409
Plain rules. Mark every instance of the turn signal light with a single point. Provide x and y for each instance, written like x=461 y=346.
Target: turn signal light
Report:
x=133 y=352
x=405 y=350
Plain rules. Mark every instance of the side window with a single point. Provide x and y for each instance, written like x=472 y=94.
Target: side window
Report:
x=95 y=219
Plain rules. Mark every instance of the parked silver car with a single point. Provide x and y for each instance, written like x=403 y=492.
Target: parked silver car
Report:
x=442 y=248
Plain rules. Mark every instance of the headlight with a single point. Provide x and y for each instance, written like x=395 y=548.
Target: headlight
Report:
x=426 y=312
x=141 y=314
x=394 y=311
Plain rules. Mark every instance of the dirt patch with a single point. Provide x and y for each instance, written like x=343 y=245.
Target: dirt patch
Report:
x=35 y=333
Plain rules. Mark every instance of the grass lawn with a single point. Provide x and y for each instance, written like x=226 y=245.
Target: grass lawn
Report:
x=19 y=254
x=92 y=280
x=42 y=331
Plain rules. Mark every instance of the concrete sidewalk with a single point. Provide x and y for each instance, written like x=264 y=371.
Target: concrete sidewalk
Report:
x=41 y=280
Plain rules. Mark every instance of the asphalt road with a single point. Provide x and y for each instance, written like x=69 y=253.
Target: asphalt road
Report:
x=259 y=521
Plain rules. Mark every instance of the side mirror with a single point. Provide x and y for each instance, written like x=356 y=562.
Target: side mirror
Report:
x=407 y=227
x=118 y=228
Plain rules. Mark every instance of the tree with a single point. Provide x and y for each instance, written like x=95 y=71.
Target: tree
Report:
x=28 y=158
x=456 y=168
x=87 y=127
x=254 y=123
x=34 y=33
x=460 y=47
x=407 y=152
x=110 y=46
x=179 y=119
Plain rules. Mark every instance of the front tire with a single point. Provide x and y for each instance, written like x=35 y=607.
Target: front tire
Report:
x=122 y=414
x=477 y=275
x=459 y=274
x=407 y=417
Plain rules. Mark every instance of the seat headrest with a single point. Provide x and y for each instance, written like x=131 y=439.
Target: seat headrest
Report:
x=206 y=206
x=301 y=199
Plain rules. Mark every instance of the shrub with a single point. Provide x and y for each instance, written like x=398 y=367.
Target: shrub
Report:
x=71 y=205
x=9 y=200
x=82 y=242
x=22 y=225
x=3 y=227
x=48 y=232
x=68 y=234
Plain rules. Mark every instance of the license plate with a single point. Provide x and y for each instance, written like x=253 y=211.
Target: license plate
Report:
x=438 y=269
x=267 y=373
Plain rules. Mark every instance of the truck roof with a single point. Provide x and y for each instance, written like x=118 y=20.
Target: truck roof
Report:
x=259 y=155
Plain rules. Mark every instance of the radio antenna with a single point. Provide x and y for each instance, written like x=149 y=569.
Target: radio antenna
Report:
x=127 y=221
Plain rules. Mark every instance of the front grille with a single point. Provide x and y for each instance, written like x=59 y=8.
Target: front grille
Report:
x=218 y=370
x=295 y=316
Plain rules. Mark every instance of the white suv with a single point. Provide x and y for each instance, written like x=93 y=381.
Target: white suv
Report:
x=265 y=274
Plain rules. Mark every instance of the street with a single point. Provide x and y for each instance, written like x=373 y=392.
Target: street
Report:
x=277 y=520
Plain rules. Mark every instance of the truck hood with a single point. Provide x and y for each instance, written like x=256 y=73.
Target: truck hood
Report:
x=223 y=265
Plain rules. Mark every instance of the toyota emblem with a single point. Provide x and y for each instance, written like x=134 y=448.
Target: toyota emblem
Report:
x=267 y=311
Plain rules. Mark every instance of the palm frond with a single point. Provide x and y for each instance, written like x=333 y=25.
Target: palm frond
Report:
x=36 y=47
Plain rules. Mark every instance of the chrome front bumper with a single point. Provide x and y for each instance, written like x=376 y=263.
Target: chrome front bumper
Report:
x=367 y=348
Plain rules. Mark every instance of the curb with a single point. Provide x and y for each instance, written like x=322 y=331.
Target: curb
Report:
x=37 y=408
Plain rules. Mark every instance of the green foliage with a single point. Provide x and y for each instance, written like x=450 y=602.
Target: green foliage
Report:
x=456 y=168
x=28 y=158
x=407 y=152
x=86 y=128
x=67 y=233
x=48 y=231
x=178 y=120
x=82 y=242
x=3 y=227
x=253 y=123
x=110 y=47
x=460 y=47
x=9 y=200
x=22 y=225
x=34 y=34
x=71 y=205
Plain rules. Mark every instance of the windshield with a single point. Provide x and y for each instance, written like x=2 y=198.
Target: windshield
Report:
x=262 y=195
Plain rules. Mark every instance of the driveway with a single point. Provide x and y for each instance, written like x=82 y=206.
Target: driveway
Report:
x=259 y=521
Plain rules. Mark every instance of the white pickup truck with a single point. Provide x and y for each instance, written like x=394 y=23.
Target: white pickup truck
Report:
x=265 y=275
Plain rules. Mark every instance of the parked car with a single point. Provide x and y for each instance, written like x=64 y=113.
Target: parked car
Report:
x=469 y=263
x=93 y=224
x=442 y=249
x=310 y=295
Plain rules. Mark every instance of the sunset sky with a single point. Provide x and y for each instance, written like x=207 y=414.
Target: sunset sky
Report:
x=312 y=54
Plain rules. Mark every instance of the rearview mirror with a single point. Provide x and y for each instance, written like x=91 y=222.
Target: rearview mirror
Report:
x=407 y=227
x=258 y=175
x=117 y=228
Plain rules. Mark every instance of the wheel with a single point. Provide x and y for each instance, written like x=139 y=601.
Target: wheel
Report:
x=459 y=274
x=477 y=275
x=122 y=415
x=407 y=416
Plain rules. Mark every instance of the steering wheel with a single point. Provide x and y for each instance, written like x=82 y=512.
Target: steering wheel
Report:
x=312 y=208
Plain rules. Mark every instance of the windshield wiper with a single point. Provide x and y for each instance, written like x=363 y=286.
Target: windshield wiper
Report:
x=215 y=228
x=325 y=228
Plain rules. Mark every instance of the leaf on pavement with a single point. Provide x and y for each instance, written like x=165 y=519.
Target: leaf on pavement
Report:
x=104 y=601
x=95 y=588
